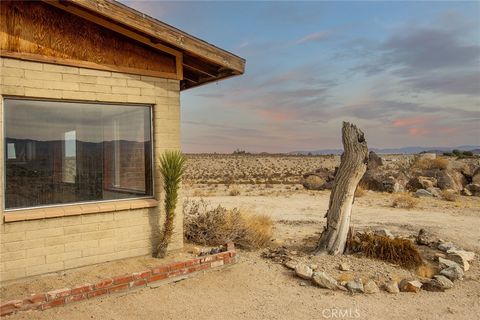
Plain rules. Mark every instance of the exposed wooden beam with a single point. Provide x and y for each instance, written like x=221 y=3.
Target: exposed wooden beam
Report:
x=196 y=65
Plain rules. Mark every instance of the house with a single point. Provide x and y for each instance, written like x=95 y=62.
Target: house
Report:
x=89 y=99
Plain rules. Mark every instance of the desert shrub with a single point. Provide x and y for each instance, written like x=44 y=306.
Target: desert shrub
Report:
x=399 y=251
x=426 y=271
x=449 y=195
x=360 y=192
x=404 y=200
x=219 y=225
x=234 y=191
x=172 y=168
x=427 y=164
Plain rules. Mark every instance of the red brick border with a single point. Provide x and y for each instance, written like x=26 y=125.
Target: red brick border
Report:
x=124 y=283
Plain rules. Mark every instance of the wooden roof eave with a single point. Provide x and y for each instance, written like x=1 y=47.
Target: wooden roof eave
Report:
x=198 y=56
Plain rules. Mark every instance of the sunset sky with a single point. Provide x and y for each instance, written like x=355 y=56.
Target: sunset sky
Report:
x=407 y=73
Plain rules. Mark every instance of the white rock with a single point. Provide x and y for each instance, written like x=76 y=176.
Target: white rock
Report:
x=344 y=266
x=461 y=257
x=392 y=287
x=303 y=271
x=370 y=287
x=323 y=280
x=355 y=286
x=445 y=246
x=291 y=264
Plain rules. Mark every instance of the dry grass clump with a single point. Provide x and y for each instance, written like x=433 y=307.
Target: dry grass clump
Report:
x=359 y=192
x=219 y=225
x=399 y=251
x=426 y=164
x=234 y=191
x=449 y=195
x=404 y=200
x=426 y=271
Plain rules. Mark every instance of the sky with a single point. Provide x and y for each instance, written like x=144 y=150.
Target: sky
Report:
x=406 y=73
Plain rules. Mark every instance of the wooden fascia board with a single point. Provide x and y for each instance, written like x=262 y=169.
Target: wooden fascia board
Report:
x=117 y=28
x=150 y=26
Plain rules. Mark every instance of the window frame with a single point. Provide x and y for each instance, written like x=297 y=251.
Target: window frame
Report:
x=78 y=203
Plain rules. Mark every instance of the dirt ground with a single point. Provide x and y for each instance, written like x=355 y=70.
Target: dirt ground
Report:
x=257 y=288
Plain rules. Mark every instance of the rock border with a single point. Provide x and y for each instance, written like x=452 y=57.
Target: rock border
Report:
x=151 y=277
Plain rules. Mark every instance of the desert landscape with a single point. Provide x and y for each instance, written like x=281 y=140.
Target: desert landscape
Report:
x=265 y=283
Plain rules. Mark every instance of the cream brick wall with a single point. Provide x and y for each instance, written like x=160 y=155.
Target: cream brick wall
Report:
x=35 y=247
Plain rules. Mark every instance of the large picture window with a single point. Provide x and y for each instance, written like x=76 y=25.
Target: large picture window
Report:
x=67 y=152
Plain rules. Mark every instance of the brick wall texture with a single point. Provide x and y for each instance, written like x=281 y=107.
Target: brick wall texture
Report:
x=34 y=247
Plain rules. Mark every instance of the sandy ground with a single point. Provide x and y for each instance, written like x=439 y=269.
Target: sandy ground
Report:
x=257 y=288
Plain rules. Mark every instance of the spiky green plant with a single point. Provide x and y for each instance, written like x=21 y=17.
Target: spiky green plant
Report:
x=172 y=167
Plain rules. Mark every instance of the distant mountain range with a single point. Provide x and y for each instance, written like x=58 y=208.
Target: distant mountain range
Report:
x=404 y=150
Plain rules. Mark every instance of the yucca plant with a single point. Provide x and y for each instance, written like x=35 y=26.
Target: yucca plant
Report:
x=172 y=167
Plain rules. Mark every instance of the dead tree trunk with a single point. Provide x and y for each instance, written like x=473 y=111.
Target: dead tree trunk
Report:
x=352 y=167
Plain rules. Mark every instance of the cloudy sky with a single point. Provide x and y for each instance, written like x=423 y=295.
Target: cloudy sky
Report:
x=408 y=73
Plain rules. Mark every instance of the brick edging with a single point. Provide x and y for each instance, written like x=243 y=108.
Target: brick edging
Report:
x=123 y=283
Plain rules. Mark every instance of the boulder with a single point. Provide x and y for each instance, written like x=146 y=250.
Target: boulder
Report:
x=453 y=273
x=391 y=287
x=474 y=189
x=427 y=182
x=323 y=280
x=476 y=176
x=391 y=185
x=313 y=182
x=446 y=283
x=445 y=181
x=410 y=286
x=374 y=161
x=303 y=271
x=422 y=193
x=372 y=180
x=355 y=286
x=370 y=287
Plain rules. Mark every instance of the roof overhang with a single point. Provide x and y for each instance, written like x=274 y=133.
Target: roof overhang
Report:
x=201 y=62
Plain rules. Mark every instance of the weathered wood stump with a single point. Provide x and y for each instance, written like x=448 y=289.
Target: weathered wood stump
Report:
x=352 y=167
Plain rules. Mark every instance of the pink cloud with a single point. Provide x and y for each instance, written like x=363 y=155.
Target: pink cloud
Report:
x=317 y=36
x=407 y=122
x=417 y=132
x=274 y=115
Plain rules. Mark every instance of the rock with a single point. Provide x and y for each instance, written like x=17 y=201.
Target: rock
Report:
x=445 y=246
x=323 y=280
x=410 y=286
x=414 y=184
x=476 y=176
x=303 y=271
x=438 y=284
x=461 y=257
x=370 y=287
x=446 y=283
x=427 y=182
x=384 y=233
x=313 y=182
x=474 y=189
x=391 y=287
x=390 y=184
x=374 y=161
x=291 y=264
x=422 y=193
x=344 y=266
x=355 y=286
x=422 y=238
x=436 y=192
x=445 y=263
x=453 y=273
x=372 y=180
x=445 y=181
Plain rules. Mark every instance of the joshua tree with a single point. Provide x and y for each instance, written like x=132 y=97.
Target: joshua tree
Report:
x=352 y=167
x=172 y=168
